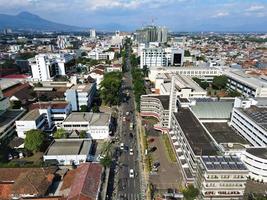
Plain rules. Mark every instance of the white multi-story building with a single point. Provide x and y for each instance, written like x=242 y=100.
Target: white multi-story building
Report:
x=185 y=87
x=45 y=66
x=153 y=57
x=32 y=120
x=206 y=73
x=97 y=125
x=246 y=84
x=162 y=34
x=222 y=178
x=80 y=95
x=251 y=124
x=44 y=116
x=256 y=161
x=99 y=54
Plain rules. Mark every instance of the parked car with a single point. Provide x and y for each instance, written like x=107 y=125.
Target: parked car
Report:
x=156 y=164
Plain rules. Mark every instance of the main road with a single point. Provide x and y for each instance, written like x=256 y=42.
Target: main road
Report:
x=128 y=187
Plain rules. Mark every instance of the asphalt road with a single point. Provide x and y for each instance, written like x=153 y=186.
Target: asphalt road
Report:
x=128 y=188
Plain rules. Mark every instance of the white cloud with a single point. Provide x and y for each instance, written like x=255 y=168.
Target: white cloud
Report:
x=13 y=3
x=255 y=8
x=221 y=14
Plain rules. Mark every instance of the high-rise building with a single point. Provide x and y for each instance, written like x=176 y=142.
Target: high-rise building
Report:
x=162 y=34
x=92 y=33
x=152 y=34
x=45 y=66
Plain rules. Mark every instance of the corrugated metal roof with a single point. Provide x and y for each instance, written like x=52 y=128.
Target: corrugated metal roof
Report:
x=213 y=110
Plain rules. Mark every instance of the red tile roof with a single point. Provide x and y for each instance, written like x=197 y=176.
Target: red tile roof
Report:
x=17 y=76
x=5 y=190
x=87 y=182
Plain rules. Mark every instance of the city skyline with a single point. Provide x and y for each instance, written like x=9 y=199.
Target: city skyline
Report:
x=128 y=15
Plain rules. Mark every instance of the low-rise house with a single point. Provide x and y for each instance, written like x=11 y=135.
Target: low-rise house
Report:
x=86 y=183
x=19 y=183
x=69 y=151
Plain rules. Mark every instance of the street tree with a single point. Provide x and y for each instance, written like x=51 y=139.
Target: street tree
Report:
x=220 y=82
x=60 y=133
x=110 y=88
x=190 y=193
x=83 y=108
x=34 y=140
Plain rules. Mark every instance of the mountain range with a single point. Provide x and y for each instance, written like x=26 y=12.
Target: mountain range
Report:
x=29 y=21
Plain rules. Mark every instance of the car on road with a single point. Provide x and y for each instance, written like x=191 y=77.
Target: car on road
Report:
x=124 y=119
x=121 y=146
x=131 y=175
x=131 y=152
x=156 y=164
x=127 y=113
x=131 y=134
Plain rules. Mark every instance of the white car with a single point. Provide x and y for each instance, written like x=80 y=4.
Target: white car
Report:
x=122 y=146
x=131 y=152
x=131 y=173
x=127 y=113
x=124 y=119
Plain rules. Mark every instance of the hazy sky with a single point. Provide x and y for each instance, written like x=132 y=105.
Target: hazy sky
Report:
x=177 y=15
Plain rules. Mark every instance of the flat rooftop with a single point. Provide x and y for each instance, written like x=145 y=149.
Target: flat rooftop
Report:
x=83 y=87
x=94 y=119
x=69 y=147
x=223 y=163
x=246 y=79
x=164 y=99
x=53 y=105
x=8 y=117
x=258 y=152
x=223 y=133
x=31 y=115
x=257 y=114
x=196 y=135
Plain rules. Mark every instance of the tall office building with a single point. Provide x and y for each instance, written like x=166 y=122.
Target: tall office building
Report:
x=162 y=34
x=152 y=34
x=92 y=33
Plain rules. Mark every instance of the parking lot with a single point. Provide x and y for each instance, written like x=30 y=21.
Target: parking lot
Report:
x=168 y=174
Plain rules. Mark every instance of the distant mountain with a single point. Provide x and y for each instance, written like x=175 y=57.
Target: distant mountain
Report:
x=29 y=21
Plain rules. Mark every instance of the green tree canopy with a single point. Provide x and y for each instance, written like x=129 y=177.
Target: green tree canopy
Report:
x=219 y=82
x=190 y=193
x=34 y=140
x=106 y=161
x=110 y=88
x=82 y=134
x=187 y=53
x=83 y=108
x=60 y=133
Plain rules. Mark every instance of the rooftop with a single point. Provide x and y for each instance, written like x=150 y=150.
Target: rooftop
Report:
x=8 y=117
x=252 y=81
x=69 y=147
x=82 y=88
x=213 y=109
x=164 y=99
x=223 y=163
x=258 y=152
x=196 y=135
x=223 y=133
x=257 y=114
x=86 y=183
x=53 y=105
x=94 y=119
x=31 y=115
